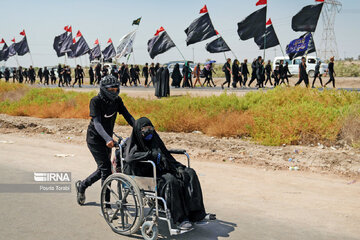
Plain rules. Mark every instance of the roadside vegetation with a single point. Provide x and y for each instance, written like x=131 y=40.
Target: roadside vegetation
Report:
x=281 y=116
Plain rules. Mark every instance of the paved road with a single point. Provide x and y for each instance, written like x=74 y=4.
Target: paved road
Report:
x=250 y=203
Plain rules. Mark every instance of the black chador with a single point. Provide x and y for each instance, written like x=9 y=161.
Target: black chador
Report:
x=157 y=83
x=164 y=82
x=177 y=184
x=176 y=76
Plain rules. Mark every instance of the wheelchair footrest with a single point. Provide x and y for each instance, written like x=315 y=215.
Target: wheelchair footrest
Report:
x=179 y=231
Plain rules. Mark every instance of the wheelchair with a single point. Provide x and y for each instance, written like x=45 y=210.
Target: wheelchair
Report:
x=134 y=199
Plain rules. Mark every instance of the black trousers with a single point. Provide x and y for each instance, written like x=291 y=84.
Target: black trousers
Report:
x=245 y=78
x=102 y=155
x=304 y=78
x=317 y=75
x=76 y=80
x=332 y=79
x=146 y=79
x=253 y=78
x=268 y=78
x=228 y=79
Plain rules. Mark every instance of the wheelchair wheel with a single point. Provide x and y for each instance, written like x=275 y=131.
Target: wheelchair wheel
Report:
x=126 y=202
x=149 y=231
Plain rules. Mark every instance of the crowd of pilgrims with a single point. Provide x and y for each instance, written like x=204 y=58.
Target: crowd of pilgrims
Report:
x=236 y=74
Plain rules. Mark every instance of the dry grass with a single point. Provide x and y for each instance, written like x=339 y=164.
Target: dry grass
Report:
x=283 y=115
x=350 y=131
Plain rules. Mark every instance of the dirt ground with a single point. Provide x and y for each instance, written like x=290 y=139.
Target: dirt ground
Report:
x=248 y=186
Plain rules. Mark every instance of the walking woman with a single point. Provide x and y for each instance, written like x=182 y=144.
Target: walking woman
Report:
x=176 y=76
x=331 y=72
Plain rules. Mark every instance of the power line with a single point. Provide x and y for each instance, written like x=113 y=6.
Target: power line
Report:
x=328 y=45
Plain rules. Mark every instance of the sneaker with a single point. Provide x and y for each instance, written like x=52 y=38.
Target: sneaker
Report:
x=210 y=216
x=80 y=196
x=185 y=225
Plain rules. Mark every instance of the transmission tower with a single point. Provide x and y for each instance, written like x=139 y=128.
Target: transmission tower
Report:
x=328 y=46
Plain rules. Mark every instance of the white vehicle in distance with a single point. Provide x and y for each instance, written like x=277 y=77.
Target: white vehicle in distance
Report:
x=107 y=64
x=171 y=65
x=311 y=62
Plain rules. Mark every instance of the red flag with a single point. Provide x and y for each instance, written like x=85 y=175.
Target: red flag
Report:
x=268 y=22
x=22 y=33
x=261 y=2
x=319 y=0
x=109 y=41
x=13 y=40
x=78 y=34
x=96 y=41
x=69 y=29
x=2 y=41
x=66 y=28
x=74 y=41
x=217 y=33
x=204 y=9
x=159 y=31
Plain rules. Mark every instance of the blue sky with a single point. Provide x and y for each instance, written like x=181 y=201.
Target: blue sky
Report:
x=43 y=20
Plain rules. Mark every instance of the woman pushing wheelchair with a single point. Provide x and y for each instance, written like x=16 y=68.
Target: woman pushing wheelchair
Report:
x=177 y=184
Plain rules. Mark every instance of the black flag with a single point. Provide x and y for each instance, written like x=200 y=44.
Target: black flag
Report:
x=8 y=52
x=22 y=47
x=307 y=19
x=253 y=25
x=270 y=40
x=66 y=45
x=79 y=48
x=95 y=53
x=200 y=29
x=2 y=51
x=160 y=44
x=58 y=41
x=82 y=47
x=109 y=52
x=217 y=46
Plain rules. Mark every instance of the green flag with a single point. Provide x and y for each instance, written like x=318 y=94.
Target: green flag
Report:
x=137 y=21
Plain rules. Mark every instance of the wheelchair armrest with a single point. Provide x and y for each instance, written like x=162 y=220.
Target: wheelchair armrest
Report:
x=181 y=151
x=177 y=151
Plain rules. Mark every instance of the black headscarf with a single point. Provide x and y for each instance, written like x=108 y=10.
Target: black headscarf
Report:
x=138 y=149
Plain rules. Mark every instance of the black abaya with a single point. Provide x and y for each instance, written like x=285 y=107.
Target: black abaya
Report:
x=177 y=184
x=157 y=84
x=164 y=82
x=176 y=76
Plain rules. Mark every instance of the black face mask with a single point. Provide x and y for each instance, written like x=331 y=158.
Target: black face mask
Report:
x=109 y=95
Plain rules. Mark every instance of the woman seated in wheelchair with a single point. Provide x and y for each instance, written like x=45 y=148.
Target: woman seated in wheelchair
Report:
x=177 y=184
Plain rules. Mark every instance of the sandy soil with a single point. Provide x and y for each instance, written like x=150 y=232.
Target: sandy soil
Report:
x=339 y=160
x=248 y=186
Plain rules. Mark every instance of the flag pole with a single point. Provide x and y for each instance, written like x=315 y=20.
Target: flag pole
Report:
x=32 y=62
x=228 y=45
x=281 y=50
x=265 y=33
x=180 y=52
x=17 y=61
